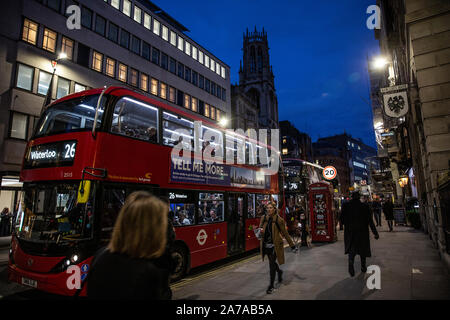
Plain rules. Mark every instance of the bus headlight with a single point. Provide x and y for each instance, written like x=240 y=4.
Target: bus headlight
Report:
x=74 y=258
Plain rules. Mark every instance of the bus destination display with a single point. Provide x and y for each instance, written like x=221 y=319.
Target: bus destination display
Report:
x=55 y=154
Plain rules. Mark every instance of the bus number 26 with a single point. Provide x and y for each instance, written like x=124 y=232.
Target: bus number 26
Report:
x=69 y=151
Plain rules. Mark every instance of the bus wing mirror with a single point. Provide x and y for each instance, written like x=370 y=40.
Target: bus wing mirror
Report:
x=83 y=191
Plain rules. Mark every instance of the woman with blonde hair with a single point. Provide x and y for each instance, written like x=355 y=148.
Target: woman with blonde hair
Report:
x=272 y=228
x=125 y=269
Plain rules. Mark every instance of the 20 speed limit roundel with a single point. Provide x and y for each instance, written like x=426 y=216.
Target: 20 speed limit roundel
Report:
x=329 y=172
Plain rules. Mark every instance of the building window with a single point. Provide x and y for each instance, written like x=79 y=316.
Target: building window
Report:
x=122 y=72
x=207 y=85
x=187 y=101
x=284 y=151
x=67 y=47
x=100 y=25
x=157 y=27
x=222 y=72
x=49 y=41
x=147 y=21
x=194 y=53
x=86 y=17
x=124 y=38
x=25 y=77
x=155 y=55
x=172 y=94
x=187 y=48
x=145 y=50
x=135 y=45
x=217 y=69
x=164 y=61
x=218 y=114
x=154 y=87
x=194 y=104
x=173 y=66
x=97 y=59
x=110 y=67
x=206 y=110
x=187 y=74
x=113 y=32
x=29 y=32
x=180 y=43
x=201 y=82
x=144 y=82
x=133 y=77
x=54 y=4
x=181 y=70
x=173 y=38
x=206 y=61
x=200 y=57
x=79 y=87
x=165 y=33
x=19 y=125
x=213 y=113
x=194 y=78
x=63 y=88
x=163 y=91
x=115 y=4
x=137 y=14
x=44 y=82
x=126 y=9
x=213 y=65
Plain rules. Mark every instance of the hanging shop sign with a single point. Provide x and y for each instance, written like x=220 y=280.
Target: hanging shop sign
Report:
x=395 y=101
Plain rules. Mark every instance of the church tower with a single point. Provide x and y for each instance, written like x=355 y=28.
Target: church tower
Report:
x=256 y=78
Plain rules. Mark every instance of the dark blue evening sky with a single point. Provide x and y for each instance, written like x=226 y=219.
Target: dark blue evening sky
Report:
x=318 y=51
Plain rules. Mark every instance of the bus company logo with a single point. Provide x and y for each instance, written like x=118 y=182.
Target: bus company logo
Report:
x=37 y=155
x=242 y=147
x=201 y=237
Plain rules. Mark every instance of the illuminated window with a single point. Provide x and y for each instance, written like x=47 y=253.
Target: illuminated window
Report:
x=49 y=41
x=137 y=14
x=144 y=82
x=222 y=72
x=25 y=76
x=187 y=101
x=163 y=91
x=126 y=7
x=67 y=47
x=97 y=59
x=79 y=87
x=194 y=104
x=44 y=82
x=165 y=33
x=172 y=94
x=213 y=65
x=284 y=151
x=63 y=88
x=206 y=112
x=156 y=27
x=146 y=21
x=180 y=43
x=200 y=57
x=110 y=67
x=194 y=53
x=154 y=87
x=19 y=126
x=115 y=4
x=29 y=32
x=213 y=112
x=173 y=38
x=187 y=48
x=218 y=115
x=206 y=61
x=122 y=72
x=133 y=77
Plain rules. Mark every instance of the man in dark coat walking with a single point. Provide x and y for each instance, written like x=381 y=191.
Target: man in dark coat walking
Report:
x=357 y=218
x=388 y=210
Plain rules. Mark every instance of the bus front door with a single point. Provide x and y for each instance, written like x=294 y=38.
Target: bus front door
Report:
x=236 y=226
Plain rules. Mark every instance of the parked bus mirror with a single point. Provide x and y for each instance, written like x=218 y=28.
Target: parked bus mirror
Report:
x=83 y=191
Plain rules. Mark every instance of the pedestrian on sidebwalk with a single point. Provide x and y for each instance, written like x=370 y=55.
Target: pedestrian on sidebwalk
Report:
x=126 y=268
x=388 y=210
x=271 y=244
x=357 y=218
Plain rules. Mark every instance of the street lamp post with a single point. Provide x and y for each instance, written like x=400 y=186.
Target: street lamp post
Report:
x=48 y=96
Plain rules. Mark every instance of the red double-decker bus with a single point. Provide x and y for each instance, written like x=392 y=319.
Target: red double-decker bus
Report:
x=90 y=150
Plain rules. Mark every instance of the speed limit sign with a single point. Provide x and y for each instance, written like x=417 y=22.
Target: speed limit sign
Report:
x=329 y=172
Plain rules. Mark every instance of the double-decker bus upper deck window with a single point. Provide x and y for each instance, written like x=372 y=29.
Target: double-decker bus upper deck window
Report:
x=71 y=115
x=214 y=138
x=211 y=207
x=172 y=123
x=135 y=119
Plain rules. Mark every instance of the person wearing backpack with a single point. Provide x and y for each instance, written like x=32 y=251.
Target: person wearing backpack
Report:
x=271 y=244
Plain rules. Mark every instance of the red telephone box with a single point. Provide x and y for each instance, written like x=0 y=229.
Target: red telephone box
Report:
x=320 y=197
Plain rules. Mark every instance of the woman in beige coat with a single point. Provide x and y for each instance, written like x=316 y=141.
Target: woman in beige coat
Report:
x=271 y=244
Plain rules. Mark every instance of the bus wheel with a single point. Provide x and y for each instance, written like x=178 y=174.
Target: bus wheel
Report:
x=180 y=259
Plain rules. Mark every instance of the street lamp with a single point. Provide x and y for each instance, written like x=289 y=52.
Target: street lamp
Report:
x=54 y=63
x=379 y=62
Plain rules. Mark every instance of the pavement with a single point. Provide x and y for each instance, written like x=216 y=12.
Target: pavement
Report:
x=410 y=268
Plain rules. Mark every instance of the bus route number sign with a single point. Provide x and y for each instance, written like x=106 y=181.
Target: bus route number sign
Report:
x=329 y=172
